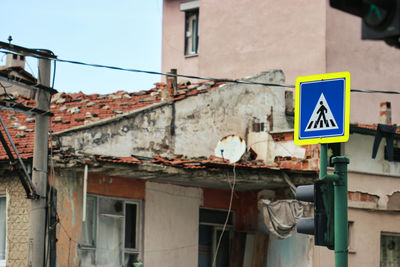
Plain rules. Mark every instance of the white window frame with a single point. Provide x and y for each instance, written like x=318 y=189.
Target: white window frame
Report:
x=139 y=227
x=191 y=38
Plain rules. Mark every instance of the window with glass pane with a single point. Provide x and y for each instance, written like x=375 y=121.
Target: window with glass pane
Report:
x=191 y=31
x=2 y=229
x=89 y=225
x=110 y=234
x=390 y=249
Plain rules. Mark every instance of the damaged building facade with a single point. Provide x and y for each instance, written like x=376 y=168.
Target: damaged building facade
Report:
x=137 y=178
x=161 y=158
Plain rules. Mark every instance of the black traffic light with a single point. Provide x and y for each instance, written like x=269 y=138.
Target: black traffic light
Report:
x=380 y=18
x=322 y=225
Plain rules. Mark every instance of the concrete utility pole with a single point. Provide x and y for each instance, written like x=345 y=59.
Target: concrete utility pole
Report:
x=39 y=171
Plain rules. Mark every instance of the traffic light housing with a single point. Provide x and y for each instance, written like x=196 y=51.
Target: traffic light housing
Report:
x=380 y=18
x=321 y=193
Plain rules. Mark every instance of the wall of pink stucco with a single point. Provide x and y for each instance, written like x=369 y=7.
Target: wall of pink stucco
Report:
x=244 y=37
x=373 y=65
x=173 y=41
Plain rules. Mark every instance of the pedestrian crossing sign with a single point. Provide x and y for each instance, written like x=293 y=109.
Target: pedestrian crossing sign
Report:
x=322 y=109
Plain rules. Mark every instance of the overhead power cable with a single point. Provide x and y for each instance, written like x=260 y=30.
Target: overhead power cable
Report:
x=155 y=72
x=189 y=76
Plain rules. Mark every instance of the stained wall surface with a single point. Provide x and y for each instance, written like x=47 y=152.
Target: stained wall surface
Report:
x=190 y=127
x=171 y=225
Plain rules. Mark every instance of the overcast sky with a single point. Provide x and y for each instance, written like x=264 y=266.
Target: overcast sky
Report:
x=123 y=33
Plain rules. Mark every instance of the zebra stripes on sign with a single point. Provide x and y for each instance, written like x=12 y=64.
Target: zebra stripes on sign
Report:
x=322 y=117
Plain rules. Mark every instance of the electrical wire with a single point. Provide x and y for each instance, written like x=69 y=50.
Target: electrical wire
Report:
x=227 y=216
x=188 y=76
x=154 y=72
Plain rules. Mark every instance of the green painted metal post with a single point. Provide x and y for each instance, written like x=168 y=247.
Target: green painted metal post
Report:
x=341 y=220
x=323 y=161
x=340 y=203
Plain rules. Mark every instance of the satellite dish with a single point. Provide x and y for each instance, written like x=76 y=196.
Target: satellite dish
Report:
x=230 y=147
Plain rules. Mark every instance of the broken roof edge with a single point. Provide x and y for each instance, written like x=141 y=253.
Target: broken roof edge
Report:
x=20 y=70
x=4 y=76
x=192 y=170
x=112 y=119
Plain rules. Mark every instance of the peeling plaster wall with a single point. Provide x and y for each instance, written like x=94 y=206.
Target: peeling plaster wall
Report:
x=69 y=209
x=142 y=133
x=171 y=225
x=191 y=127
x=69 y=186
x=382 y=186
x=267 y=149
x=17 y=221
x=203 y=120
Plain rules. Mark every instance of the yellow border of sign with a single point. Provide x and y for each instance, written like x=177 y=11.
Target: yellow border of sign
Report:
x=311 y=78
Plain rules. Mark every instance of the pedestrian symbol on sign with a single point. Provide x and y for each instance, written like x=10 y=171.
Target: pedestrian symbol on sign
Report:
x=322 y=117
x=322 y=109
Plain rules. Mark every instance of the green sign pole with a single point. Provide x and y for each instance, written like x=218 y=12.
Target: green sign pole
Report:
x=340 y=203
x=341 y=221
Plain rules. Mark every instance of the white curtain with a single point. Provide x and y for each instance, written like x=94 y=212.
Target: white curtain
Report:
x=109 y=241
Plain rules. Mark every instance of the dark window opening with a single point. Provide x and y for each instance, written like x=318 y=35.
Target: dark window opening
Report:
x=396 y=154
x=211 y=233
x=215 y=216
x=191 y=32
x=130 y=225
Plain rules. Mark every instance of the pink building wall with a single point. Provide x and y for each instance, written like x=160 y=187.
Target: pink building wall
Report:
x=242 y=38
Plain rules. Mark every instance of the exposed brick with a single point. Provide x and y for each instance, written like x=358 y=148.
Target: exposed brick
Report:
x=394 y=201
x=362 y=197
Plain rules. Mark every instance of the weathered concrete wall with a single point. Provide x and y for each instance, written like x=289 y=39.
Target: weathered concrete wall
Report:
x=171 y=225
x=359 y=150
x=379 y=185
x=18 y=214
x=203 y=120
x=69 y=209
x=141 y=133
x=191 y=127
x=267 y=149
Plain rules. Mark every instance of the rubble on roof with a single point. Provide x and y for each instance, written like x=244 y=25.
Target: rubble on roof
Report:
x=75 y=109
